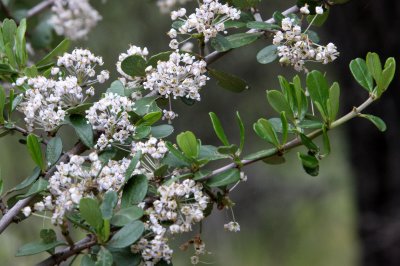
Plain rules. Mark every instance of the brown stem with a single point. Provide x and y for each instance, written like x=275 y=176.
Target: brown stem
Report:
x=9 y=216
x=64 y=254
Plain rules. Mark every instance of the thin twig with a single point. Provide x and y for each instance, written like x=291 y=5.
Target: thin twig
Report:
x=64 y=254
x=294 y=143
x=214 y=56
x=9 y=216
x=39 y=8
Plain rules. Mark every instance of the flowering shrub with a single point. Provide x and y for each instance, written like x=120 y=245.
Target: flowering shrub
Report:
x=125 y=183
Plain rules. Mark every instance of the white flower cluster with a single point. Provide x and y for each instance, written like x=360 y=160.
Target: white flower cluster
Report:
x=295 y=48
x=208 y=20
x=73 y=18
x=45 y=103
x=180 y=76
x=81 y=63
x=128 y=81
x=166 y=5
x=232 y=227
x=110 y=115
x=153 y=147
x=79 y=178
x=181 y=204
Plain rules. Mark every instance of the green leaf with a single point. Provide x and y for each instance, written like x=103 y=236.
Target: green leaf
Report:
x=262 y=153
x=132 y=165
x=279 y=103
x=117 y=88
x=54 y=150
x=134 y=66
x=162 y=131
x=318 y=89
x=374 y=66
x=210 y=153
x=90 y=211
x=127 y=235
x=61 y=48
x=308 y=143
x=359 y=69
x=29 y=180
x=267 y=55
x=108 y=204
x=83 y=129
x=125 y=257
x=231 y=149
x=164 y=56
x=48 y=236
x=104 y=257
x=219 y=130
x=87 y=261
x=278 y=17
x=226 y=178
x=265 y=130
x=241 y=131
x=141 y=132
x=134 y=191
x=313 y=36
x=387 y=75
x=241 y=39
x=285 y=127
x=35 y=151
x=20 y=44
x=274 y=160
x=310 y=164
x=228 y=81
x=127 y=215
x=187 y=142
x=38 y=247
x=79 y=109
x=39 y=186
x=6 y=70
x=334 y=99
x=378 y=122
x=146 y=105
x=326 y=141
x=178 y=154
x=260 y=25
x=2 y=104
x=220 y=43
x=151 y=118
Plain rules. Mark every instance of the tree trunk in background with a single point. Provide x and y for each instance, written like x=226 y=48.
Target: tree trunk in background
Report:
x=357 y=28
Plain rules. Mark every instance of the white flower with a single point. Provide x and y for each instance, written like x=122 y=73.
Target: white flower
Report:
x=208 y=19
x=232 y=227
x=111 y=115
x=304 y=10
x=319 y=10
x=27 y=211
x=180 y=76
x=73 y=18
x=166 y=5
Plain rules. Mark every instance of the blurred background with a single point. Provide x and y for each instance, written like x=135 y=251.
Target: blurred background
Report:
x=346 y=216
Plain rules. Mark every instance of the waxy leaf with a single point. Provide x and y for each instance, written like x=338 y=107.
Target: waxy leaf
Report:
x=226 y=178
x=220 y=43
x=108 y=204
x=39 y=186
x=35 y=151
x=241 y=131
x=241 y=39
x=164 y=56
x=134 y=66
x=267 y=55
x=58 y=51
x=162 y=131
x=219 y=130
x=387 y=75
x=127 y=215
x=132 y=165
x=266 y=131
x=334 y=98
x=359 y=69
x=117 y=88
x=90 y=211
x=260 y=25
x=134 y=191
x=127 y=235
x=279 y=103
x=374 y=66
x=378 y=122
x=310 y=164
x=187 y=142
x=228 y=81
x=83 y=129
x=104 y=257
x=35 y=248
x=319 y=90
x=28 y=181
x=54 y=150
